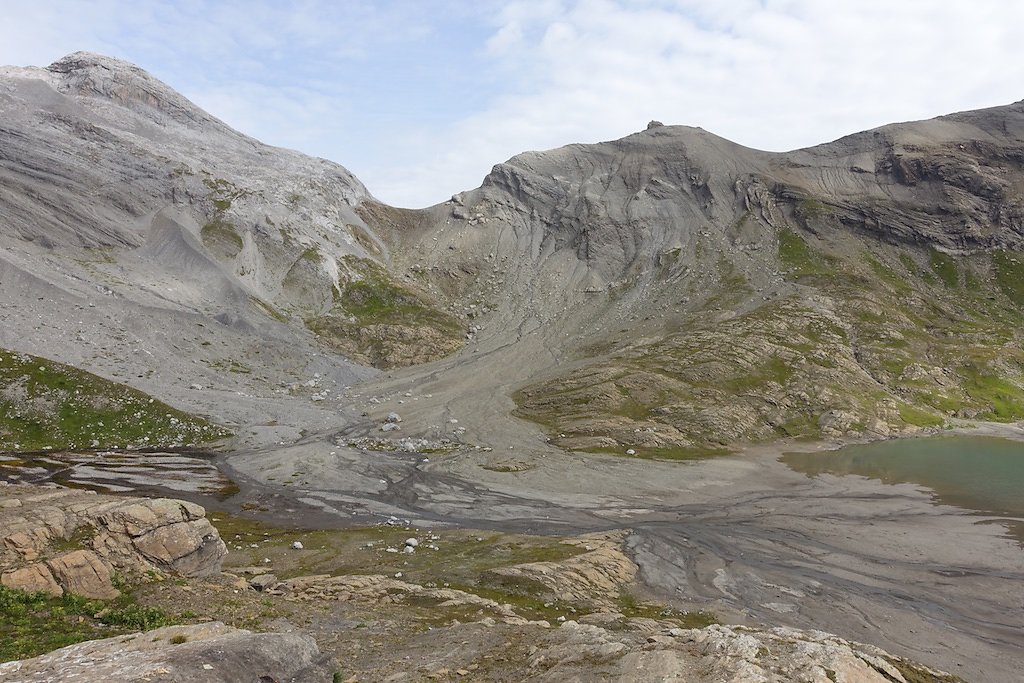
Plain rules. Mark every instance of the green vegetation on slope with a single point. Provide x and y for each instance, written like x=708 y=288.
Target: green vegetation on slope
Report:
x=799 y=261
x=944 y=267
x=49 y=405
x=381 y=321
x=885 y=346
x=219 y=235
x=374 y=297
x=1009 y=271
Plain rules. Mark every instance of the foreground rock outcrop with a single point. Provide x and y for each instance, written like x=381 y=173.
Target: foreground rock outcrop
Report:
x=203 y=653
x=719 y=654
x=571 y=618
x=60 y=540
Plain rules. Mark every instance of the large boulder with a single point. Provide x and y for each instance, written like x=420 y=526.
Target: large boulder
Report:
x=173 y=535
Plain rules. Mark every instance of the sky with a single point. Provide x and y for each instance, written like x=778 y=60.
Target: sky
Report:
x=420 y=98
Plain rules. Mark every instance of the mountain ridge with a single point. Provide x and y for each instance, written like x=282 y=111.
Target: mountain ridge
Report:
x=651 y=232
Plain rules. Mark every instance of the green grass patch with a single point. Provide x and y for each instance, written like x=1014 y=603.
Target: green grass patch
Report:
x=799 y=426
x=49 y=405
x=220 y=235
x=938 y=401
x=888 y=275
x=370 y=297
x=774 y=370
x=909 y=263
x=1000 y=399
x=674 y=453
x=798 y=260
x=34 y=623
x=809 y=207
x=1009 y=271
x=913 y=673
x=462 y=557
x=972 y=282
x=918 y=417
x=374 y=297
x=944 y=266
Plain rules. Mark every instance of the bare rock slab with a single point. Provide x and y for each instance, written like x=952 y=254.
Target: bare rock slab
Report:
x=201 y=653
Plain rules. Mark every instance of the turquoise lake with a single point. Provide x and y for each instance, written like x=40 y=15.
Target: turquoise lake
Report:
x=977 y=473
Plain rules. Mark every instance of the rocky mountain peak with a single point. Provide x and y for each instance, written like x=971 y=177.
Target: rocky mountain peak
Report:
x=83 y=60
x=93 y=75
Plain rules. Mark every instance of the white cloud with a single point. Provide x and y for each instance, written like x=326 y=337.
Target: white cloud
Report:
x=773 y=75
x=421 y=99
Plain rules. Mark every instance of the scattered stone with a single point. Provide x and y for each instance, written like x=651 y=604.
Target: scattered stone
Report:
x=262 y=582
x=297 y=545
x=393 y=417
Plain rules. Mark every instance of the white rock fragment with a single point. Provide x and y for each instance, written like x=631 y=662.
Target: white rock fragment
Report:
x=296 y=545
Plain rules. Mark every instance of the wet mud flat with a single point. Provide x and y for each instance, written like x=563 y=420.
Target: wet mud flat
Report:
x=745 y=537
x=191 y=475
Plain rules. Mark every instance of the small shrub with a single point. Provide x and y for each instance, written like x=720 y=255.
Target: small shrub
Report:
x=136 y=618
